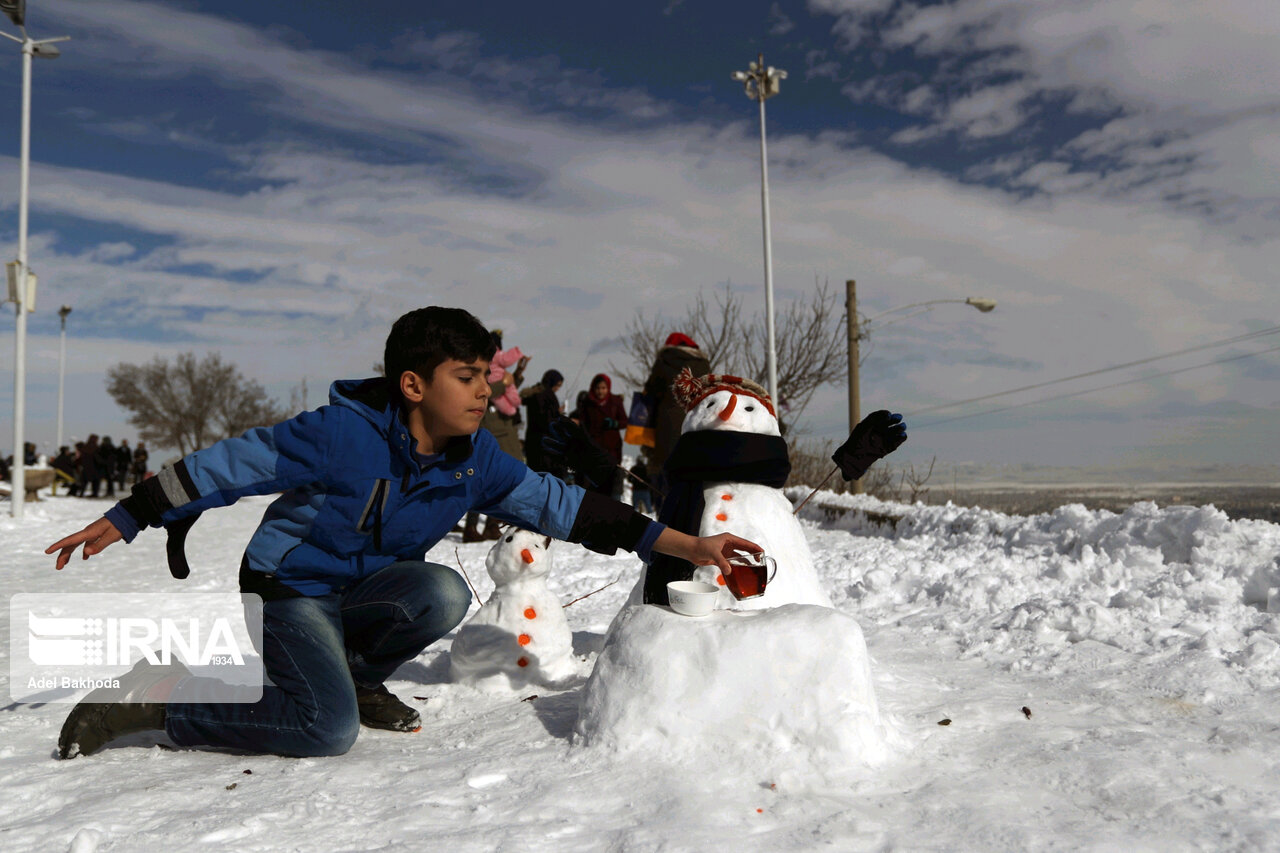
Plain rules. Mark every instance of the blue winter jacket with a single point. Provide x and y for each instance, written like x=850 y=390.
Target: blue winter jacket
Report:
x=357 y=498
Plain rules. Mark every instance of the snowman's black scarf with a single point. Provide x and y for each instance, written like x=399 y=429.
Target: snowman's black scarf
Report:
x=714 y=456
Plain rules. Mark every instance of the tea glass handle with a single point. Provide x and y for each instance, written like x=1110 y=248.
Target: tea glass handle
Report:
x=769 y=561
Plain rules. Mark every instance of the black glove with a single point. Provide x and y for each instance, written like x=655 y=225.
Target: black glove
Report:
x=568 y=443
x=879 y=434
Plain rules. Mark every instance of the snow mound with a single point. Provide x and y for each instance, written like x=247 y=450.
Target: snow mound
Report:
x=1027 y=592
x=788 y=687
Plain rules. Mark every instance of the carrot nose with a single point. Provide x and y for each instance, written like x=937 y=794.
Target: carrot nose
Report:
x=727 y=411
x=526 y=556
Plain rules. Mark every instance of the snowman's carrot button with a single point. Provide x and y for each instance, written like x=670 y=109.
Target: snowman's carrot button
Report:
x=526 y=556
x=720 y=579
x=524 y=639
x=530 y=613
x=720 y=516
x=522 y=662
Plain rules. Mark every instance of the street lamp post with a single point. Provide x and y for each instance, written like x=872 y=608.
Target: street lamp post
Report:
x=62 y=368
x=21 y=295
x=760 y=82
x=857 y=331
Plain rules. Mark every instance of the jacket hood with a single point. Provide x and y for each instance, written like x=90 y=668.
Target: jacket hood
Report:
x=371 y=400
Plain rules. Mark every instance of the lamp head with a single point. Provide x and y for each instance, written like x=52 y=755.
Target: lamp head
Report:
x=15 y=9
x=64 y=311
x=740 y=76
x=45 y=51
x=982 y=304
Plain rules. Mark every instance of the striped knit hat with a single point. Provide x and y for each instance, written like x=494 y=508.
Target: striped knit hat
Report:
x=690 y=390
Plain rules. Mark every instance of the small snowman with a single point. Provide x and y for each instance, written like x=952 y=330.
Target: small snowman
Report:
x=726 y=474
x=520 y=636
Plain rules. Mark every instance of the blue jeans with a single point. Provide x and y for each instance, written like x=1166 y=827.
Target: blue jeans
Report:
x=316 y=649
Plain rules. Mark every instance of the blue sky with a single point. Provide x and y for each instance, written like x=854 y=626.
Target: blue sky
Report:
x=279 y=181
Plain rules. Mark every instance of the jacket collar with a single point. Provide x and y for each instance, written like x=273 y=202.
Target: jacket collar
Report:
x=370 y=398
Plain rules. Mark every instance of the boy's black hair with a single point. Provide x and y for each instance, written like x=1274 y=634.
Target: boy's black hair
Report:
x=424 y=339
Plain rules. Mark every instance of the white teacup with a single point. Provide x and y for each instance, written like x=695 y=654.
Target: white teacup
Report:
x=692 y=598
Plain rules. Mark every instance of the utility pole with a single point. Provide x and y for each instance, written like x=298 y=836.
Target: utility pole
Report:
x=851 y=324
x=23 y=292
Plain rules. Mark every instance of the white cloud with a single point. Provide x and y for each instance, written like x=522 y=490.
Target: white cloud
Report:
x=1197 y=85
x=303 y=275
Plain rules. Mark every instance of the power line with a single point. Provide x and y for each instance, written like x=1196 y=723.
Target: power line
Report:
x=1271 y=331
x=1100 y=388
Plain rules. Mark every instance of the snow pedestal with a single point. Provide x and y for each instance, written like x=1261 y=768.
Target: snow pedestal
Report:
x=788 y=687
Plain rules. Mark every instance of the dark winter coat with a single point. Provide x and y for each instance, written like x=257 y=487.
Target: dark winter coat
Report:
x=104 y=458
x=89 y=459
x=357 y=497
x=542 y=407
x=668 y=414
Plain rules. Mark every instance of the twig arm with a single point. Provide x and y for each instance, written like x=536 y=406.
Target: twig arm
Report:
x=815 y=491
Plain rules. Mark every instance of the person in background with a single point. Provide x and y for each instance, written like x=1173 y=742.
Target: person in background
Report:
x=120 y=468
x=677 y=353
x=64 y=466
x=29 y=455
x=89 y=477
x=139 y=465
x=603 y=416
x=104 y=460
x=543 y=407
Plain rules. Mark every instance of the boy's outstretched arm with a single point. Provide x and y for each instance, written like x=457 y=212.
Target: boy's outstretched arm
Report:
x=95 y=538
x=704 y=550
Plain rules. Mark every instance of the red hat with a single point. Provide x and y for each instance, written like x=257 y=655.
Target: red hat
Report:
x=690 y=390
x=679 y=339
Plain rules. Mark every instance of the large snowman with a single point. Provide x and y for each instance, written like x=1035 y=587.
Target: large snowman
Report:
x=725 y=474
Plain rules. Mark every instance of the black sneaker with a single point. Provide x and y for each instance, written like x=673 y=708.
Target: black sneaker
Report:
x=110 y=712
x=380 y=709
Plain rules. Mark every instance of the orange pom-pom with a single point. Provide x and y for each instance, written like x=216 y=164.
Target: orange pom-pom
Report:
x=524 y=639
x=522 y=662
x=726 y=497
x=720 y=516
x=530 y=613
x=720 y=579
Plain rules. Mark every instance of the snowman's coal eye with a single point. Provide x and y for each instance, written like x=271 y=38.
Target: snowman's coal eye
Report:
x=751 y=408
x=711 y=404
x=509 y=538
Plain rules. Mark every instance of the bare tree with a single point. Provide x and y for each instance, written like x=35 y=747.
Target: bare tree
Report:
x=915 y=482
x=718 y=330
x=809 y=337
x=189 y=404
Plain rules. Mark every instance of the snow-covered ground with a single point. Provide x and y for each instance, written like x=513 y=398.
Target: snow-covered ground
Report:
x=1140 y=643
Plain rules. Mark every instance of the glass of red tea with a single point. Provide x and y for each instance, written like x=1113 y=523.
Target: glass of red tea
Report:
x=751 y=574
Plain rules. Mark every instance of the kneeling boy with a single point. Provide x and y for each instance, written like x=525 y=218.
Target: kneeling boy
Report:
x=370 y=483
